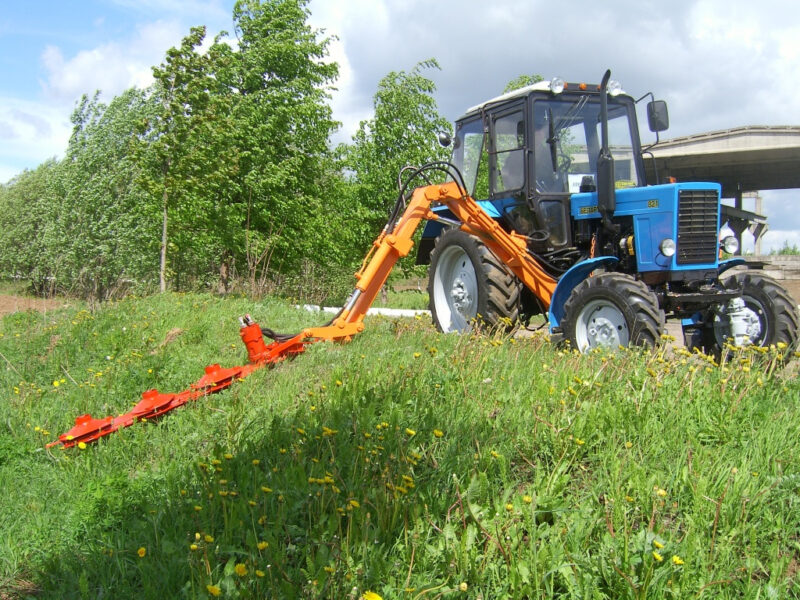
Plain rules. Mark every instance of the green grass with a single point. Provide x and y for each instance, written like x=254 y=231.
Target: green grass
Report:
x=410 y=299
x=407 y=463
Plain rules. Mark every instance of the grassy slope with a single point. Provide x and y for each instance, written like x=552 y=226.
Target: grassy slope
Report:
x=406 y=463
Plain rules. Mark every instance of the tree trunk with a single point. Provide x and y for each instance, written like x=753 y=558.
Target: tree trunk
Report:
x=162 y=272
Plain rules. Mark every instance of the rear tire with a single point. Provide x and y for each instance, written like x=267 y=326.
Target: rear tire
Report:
x=769 y=303
x=467 y=284
x=611 y=310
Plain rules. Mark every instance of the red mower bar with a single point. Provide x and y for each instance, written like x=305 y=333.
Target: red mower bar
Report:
x=216 y=378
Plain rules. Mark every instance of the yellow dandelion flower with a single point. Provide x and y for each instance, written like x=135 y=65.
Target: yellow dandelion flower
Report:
x=354 y=503
x=628 y=445
x=214 y=590
x=256 y=462
x=141 y=552
x=463 y=586
x=661 y=493
x=262 y=545
x=657 y=556
x=208 y=538
x=259 y=573
x=629 y=498
x=371 y=596
x=677 y=560
x=228 y=456
x=410 y=432
x=527 y=499
x=509 y=507
x=82 y=445
x=198 y=508
x=494 y=454
x=193 y=547
x=240 y=569
x=265 y=489
x=438 y=433
x=658 y=544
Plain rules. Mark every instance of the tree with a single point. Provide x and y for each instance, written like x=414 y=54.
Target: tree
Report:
x=81 y=225
x=276 y=84
x=404 y=131
x=25 y=214
x=521 y=81
x=105 y=221
x=177 y=150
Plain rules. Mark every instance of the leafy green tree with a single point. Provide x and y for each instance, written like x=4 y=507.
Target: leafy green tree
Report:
x=521 y=81
x=81 y=225
x=106 y=225
x=176 y=151
x=25 y=214
x=277 y=83
x=404 y=131
x=224 y=161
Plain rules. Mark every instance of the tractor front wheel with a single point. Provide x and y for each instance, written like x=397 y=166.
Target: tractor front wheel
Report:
x=468 y=284
x=611 y=310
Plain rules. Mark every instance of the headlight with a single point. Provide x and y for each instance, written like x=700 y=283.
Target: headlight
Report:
x=667 y=247
x=730 y=245
x=557 y=85
x=614 y=88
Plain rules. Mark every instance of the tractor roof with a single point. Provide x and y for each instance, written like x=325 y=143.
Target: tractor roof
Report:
x=539 y=86
x=542 y=86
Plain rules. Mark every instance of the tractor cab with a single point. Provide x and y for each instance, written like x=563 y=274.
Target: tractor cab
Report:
x=523 y=155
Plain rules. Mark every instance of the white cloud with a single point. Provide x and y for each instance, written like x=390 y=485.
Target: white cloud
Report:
x=111 y=67
x=350 y=106
x=38 y=131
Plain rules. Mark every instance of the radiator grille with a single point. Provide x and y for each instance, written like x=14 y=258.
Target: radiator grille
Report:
x=697 y=227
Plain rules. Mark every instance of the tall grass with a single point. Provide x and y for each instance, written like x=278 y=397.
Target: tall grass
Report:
x=406 y=463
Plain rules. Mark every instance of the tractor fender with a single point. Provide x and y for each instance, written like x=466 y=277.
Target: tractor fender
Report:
x=724 y=265
x=567 y=283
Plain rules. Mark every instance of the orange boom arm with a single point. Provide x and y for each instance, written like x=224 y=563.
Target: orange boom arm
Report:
x=510 y=248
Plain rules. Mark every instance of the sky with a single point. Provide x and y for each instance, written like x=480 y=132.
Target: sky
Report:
x=718 y=63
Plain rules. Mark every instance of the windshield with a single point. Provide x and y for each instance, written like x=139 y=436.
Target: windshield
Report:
x=567 y=140
x=469 y=154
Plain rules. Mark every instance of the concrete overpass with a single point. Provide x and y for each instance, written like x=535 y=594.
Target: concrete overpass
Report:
x=742 y=159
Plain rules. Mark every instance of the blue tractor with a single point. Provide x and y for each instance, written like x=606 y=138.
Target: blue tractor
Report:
x=562 y=165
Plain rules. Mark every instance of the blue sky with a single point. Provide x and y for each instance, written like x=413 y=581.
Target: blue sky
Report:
x=718 y=63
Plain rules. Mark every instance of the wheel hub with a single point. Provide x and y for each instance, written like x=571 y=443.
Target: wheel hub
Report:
x=738 y=321
x=602 y=332
x=601 y=324
x=462 y=300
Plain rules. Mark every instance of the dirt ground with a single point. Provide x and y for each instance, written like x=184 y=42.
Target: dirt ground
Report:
x=9 y=304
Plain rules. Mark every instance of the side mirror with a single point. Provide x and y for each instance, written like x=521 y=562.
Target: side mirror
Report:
x=657 y=115
x=444 y=139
